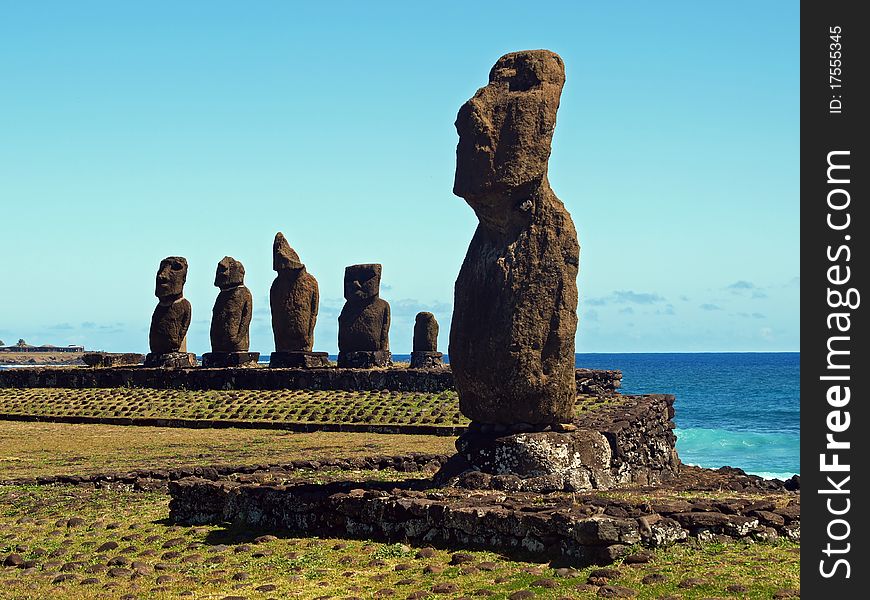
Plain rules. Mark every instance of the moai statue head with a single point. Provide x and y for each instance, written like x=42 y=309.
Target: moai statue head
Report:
x=284 y=258
x=425 y=333
x=362 y=282
x=505 y=133
x=171 y=276
x=230 y=273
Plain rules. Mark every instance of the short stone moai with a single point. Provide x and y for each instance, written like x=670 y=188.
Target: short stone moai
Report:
x=364 y=322
x=425 y=350
x=231 y=319
x=294 y=299
x=171 y=318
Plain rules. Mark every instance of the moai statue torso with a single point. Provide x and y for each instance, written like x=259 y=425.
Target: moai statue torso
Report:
x=171 y=318
x=231 y=316
x=515 y=309
x=294 y=299
x=425 y=333
x=364 y=322
x=425 y=349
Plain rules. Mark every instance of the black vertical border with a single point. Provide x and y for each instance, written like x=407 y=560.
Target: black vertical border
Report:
x=823 y=132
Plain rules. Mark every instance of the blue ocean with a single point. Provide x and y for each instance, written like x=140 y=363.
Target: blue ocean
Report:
x=735 y=409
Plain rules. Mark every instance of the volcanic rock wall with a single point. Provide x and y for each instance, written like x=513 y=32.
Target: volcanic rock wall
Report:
x=593 y=382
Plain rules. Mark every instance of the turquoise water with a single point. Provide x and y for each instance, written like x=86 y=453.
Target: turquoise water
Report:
x=735 y=409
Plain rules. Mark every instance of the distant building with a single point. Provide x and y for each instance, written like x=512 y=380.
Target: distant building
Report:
x=45 y=348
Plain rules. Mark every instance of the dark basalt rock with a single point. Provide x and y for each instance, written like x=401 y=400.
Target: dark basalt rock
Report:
x=425 y=333
x=298 y=360
x=230 y=359
x=364 y=322
x=426 y=360
x=171 y=318
x=515 y=308
x=171 y=360
x=108 y=359
x=423 y=380
x=364 y=359
x=294 y=299
x=425 y=349
x=231 y=316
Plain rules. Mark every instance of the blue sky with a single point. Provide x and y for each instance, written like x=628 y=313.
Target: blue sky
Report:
x=133 y=131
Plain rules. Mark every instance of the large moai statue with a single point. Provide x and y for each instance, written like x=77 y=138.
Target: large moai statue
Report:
x=364 y=322
x=515 y=310
x=171 y=318
x=231 y=318
x=294 y=299
x=515 y=307
x=424 y=352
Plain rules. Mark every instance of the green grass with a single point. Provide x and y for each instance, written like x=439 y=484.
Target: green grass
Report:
x=290 y=406
x=33 y=449
x=215 y=562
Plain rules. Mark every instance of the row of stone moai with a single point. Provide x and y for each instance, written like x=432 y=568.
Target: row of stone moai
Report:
x=363 y=325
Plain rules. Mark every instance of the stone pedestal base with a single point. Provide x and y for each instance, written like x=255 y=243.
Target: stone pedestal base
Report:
x=171 y=360
x=108 y=359
x=365 y=360
x=542 y=461
x=424 y=360
x=230 y=359
x=298 y=360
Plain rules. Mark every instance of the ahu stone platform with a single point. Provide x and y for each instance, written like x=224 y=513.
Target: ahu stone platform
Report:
x=499 y=512
x=589 y=381
x=574 y=529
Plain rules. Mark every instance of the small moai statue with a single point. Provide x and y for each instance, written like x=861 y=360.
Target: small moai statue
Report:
x=425 y=350
x=294 y=299
x=364 y=322
x=171 y=318
x=231 y=319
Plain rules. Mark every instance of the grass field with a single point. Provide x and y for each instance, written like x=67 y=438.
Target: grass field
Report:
x=75 y=542
x=33 y=449
x=292 y=406
x=81 y=543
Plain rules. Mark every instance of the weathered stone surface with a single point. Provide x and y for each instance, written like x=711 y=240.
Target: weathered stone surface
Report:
x=733 y=525
x=364 y=322
x=110 y=359
x=171 y=360
x=364 y=359
x=298 y=360
x=171 y=318
x=425 y=353
x=231 y=316
x=430 y=380
x=294 y=299
x=230 y=359
x=425 y=333
x=598 y=382
x=515 y=307
x=577 y=529
x=630 y=443
x=421 y=359
x=579 y=460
